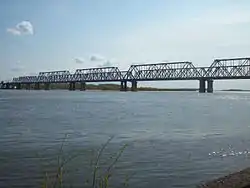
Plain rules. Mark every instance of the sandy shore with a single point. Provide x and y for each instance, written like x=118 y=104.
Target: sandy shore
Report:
x=239 y=179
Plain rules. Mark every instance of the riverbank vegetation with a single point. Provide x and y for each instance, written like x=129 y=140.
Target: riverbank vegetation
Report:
x=111 y=87
x=241 y=90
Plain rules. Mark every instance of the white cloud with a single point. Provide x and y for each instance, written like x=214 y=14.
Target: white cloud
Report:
x=79 y=60
x=16 y=69
x=13 y=31
x=96 y=57
x=22 y=28
x=107 y=64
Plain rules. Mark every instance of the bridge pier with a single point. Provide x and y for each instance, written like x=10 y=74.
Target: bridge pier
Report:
x=72 y=86
x=7 y=86
x=1 y=85
x=4 y=86
x=83 y=86
x=210 y=88
x=202 y=88
x=134 y=86
x=47 y=86
x=27 y=86
x=12 y=86
x=123 y=86
x=18 y=86
x=37 y=86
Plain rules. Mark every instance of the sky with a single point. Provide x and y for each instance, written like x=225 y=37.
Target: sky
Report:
x=53 y=35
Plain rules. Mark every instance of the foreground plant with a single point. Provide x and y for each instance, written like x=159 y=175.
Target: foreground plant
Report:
x=99 y=179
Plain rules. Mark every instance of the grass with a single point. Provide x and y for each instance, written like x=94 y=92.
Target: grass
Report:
x=99 y=178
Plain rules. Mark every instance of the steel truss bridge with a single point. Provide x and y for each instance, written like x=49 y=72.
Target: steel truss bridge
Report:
x=234 y=68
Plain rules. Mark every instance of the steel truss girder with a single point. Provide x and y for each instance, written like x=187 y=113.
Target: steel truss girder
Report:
x=171 y=70
x=237 y=68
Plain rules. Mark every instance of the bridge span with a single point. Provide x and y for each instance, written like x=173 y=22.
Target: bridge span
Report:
x=234 y=68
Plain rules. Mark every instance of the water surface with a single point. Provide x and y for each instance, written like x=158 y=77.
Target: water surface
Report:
x=175 y=139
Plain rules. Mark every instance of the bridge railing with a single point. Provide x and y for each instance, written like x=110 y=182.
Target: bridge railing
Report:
x=54 y=73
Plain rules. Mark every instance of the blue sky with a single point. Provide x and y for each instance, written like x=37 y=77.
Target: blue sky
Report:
x=66 y=35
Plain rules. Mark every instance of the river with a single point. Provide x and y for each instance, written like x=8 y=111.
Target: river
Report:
x=174 y=139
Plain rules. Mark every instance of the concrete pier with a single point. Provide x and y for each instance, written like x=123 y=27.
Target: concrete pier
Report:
x=37 y=86
x=202 y=88
x=47 y=86
x=134 y=86
x=124 y=86
x=27 y=86
x=83 y=86
x=18 y=86
x=11 y=86
x=72 y=86
x=7 y=86
x=3 y=85
x=210 y=88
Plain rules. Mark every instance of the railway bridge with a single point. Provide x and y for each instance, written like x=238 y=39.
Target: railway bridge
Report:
x=234 y=68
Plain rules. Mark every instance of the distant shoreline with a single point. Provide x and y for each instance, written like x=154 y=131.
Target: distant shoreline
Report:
x=116 y=87
x=241 y=90
x=109 y=87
